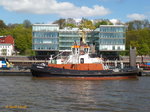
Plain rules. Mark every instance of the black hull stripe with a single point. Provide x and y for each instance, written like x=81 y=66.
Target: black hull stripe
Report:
x=59 y=72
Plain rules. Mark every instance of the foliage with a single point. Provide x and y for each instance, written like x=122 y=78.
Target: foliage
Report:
x=2 y=24
x=138 y=34
x=124 y=53
x=139 y=39
x=70 y=25
x=103 y=23
x=27 y=24
x=29 y=52
x=22 y=36
x=86 y=24
x=137 y=24
x=143 y=49
x=60 y=22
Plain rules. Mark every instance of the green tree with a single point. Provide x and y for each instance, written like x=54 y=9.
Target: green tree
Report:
x=70 y=25
x=139 y=39
x=2 y=25
x=138 y=24
x=22 y=34
x=60 y=22
x=27 y=24
x=86 y=24
x=29 y=52
x=23 y=38
x=143 y=49
x=131 y=37
x=103 y=23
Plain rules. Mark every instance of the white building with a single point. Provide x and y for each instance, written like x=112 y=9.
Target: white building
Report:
x=6 y=45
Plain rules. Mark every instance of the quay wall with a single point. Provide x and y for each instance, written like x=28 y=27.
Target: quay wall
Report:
x=24 y=63
x=28 y=61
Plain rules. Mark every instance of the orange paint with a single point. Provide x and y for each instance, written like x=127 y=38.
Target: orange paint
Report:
x=78 y=66
x=77 y=46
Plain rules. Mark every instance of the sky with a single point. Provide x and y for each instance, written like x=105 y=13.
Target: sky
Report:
x=47 y=11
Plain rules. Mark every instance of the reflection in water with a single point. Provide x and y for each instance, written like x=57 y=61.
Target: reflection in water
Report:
x=73 y=95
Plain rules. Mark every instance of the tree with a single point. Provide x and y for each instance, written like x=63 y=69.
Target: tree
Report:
x=143 y=49
x=70 y=21
x=134 y=44
x=27 y=24
x=104 y=22
x=146 y=24
x=2 y=24
x=131 y=37
x=70 y=25
x=138 y=24
x=88 y=25
x=139 y=39
x=11 y=26
x=23 y=38
x=60 y=22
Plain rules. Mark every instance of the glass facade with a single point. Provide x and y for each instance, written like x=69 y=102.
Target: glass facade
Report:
x=112 y=37
x=67 y=39
x=45 y=37
x=48 y=37
x=45 y=27
x=93 y=39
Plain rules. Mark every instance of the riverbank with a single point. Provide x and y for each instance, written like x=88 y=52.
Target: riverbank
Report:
x=22 y=64
x=27 y=61
x=15 y=73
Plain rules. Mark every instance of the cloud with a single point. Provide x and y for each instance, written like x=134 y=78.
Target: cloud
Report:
x=63 y=9
x=136 y=16
x=115 y=21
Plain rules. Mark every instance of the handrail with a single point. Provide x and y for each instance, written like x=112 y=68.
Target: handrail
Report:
x=58 y=55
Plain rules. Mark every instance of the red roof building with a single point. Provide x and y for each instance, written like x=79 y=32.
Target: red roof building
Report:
x=7 y=39
x=6 y=45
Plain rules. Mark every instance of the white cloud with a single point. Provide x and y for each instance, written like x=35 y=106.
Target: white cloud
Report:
x=136 y=16
x=77 y=20
x=115 y=21
x=63 y=9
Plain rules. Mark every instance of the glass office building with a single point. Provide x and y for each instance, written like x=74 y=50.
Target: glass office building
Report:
x=112 y=37
x=67 y=38
x=48 y=37
x=45 y=37
x=93 y=38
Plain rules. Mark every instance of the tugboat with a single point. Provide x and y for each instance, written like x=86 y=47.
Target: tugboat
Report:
x=80 y=65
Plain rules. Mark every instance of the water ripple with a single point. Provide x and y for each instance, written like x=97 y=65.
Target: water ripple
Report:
x=74 y=96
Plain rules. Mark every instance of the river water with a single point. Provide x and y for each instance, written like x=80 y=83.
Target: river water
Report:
x=24 y=94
